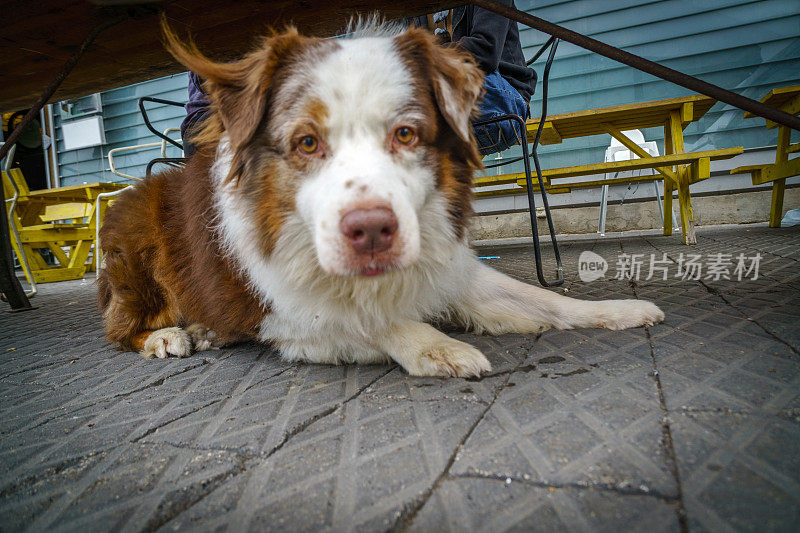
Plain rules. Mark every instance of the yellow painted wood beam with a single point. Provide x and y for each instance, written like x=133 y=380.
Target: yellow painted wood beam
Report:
x=776 y=204
x=519 y=190
x=50 y=275
x=685 y=201
x=636 y=164
x=687 y=113
x=792 y=107
x=781 y=166
x=600 y=183
x=503 y=179
x=45 y=236
x=638 y=150
x=669 y=186
x=59 y=254
x=550 y=134
x=684 y=178
x=700 y=170
x=778 y=171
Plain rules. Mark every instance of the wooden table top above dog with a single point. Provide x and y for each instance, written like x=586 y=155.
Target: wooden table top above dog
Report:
x=38 y=37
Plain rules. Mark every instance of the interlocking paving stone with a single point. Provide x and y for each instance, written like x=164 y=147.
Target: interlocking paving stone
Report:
x=692 y=424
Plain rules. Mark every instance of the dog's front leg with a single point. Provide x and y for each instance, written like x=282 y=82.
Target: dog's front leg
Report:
x=495 y=303
x=422 y=350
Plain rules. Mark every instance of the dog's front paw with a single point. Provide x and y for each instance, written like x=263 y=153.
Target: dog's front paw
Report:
x=624 y=314
x=167 y=341
x=202 y=338
x=449 y=358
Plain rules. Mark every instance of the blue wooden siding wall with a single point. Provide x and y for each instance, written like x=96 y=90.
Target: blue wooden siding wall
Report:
x=124 y=127
x=746 y=46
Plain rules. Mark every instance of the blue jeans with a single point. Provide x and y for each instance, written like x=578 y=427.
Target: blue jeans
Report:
x=500 y=99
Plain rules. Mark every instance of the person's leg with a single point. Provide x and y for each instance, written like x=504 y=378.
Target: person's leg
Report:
x=500 y=98
x=188 y=128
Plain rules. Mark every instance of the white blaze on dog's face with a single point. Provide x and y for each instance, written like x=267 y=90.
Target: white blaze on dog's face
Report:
x=358 y=136
x=370 y=178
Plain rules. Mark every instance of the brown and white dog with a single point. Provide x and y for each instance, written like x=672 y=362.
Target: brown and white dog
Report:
x=325 y=214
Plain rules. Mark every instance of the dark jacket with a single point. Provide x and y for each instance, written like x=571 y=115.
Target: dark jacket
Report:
x=493 y=41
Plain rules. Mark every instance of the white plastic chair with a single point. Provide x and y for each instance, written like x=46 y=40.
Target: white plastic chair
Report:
x=618 y=152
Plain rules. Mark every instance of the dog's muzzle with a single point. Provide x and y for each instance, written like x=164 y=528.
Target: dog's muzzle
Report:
x=370 y=233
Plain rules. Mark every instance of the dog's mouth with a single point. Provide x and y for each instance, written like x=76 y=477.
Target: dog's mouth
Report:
x=373 y=268
x=372 y=271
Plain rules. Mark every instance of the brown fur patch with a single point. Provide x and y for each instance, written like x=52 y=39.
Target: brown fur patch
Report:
x=455 y=184
x=274 y=200
x=241 y=94
x=317 y=112
x=442 y=73
x=164 y=265
x=455 y=158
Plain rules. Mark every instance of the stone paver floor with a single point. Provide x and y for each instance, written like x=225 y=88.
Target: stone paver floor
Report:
x=693 y=424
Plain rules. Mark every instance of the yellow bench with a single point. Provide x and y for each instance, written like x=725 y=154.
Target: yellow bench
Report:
x=53 y=219
x=786 y=99
x=678 y=169
x=697 y=165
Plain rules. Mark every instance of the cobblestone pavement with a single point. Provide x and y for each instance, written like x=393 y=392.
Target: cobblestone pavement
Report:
x=693 y=424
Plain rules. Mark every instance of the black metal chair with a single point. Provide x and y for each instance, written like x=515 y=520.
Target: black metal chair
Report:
x=170 y=161
x=527 y=154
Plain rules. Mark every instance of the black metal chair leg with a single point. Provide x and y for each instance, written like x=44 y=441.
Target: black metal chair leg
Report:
x=532 y=202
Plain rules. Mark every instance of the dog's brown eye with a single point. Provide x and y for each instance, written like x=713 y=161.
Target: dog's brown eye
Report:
x=309 y=144
x=404 y=135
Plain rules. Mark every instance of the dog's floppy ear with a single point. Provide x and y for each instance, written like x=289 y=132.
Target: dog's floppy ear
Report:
x=456 y=80
x=237 y=90
x=457 y=83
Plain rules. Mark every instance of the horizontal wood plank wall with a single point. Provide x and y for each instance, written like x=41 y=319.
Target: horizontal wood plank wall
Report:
x=745 y=46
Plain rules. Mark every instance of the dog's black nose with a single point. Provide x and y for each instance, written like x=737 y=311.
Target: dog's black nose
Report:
x=369 y=231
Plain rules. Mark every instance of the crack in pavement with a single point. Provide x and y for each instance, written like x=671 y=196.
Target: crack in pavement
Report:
x=245 y=458
x=243 y=454
x=667 y=444
x=160 y=381
x=178 y=501
x=411 y=509
x=622 y=489
x=721 y=296
x=153 y=429
x=302 y=426
x=51 y=470
x=268 y=377
x=78 y=406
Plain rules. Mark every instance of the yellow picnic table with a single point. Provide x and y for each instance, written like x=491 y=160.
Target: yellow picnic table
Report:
x=678 y=168
x=786 y=99
x=53 y=219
